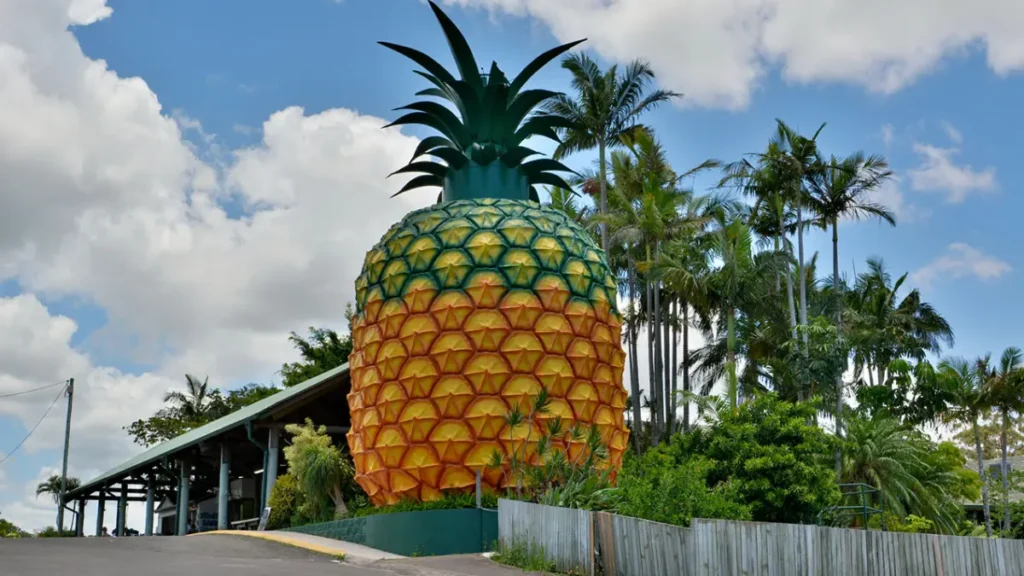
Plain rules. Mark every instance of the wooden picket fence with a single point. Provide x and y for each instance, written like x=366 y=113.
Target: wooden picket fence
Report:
x=613 y=545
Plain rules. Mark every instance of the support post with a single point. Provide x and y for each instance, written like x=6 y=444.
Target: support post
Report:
x=270 y=472
x=80 y=524
x=224 y=488
x=183 y=486
x=122 y=509
x=149 y=504
x=70 y=393
x=101 y=504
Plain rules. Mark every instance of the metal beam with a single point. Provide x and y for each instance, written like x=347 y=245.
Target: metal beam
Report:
x=224 y=487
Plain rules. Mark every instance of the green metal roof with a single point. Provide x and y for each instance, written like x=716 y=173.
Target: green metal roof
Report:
x=192 y=437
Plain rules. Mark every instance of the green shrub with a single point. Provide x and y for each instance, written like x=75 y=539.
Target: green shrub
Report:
x=52 y=532
x=449 y=502
x=777 y=460
x=285 y=500
x=654 y=487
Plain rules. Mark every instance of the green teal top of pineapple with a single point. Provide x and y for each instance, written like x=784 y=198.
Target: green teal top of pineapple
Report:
x=482 y=144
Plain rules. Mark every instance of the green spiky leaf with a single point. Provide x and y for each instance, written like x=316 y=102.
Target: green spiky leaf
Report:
x=538 y=63
x=454 y=158
x=543 y=125
x=460 y=48
x=455 y=133
x=515 y=156
x=549 y=179
x=420 y=182
x=435 y=92
x=429 y=143
x=434 y=168
x=522 y=104
x=428 y=63
x=545 y=165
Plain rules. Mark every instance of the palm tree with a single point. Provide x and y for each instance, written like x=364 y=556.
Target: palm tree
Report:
x=194 y=402
x=1005 y=389
x=839 y=190
x=798 y=164
x=883 y=327
x=565 y=200
x=969 y=402
x=733 y=283
x=767 y=183
x=895 y=459
x=51 y=486
x=607 y=105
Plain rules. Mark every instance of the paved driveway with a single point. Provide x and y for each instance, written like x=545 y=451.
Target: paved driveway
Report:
x=207 y=556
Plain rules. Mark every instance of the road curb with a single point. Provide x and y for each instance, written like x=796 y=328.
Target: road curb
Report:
x=280 y=539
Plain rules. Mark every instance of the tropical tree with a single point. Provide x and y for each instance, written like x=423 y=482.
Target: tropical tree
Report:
x=51 y=486
x=897 y=460
x=323 y=350
x=883 y=327
x=738 y=279
x=194 y=402
x=566 y=200
x=1005 y=390
x=606 y=106
x=839 y=190
x=969 y=401
x=325 y=475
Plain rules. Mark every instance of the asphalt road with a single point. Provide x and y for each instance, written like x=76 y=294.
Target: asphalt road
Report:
x=206 y=556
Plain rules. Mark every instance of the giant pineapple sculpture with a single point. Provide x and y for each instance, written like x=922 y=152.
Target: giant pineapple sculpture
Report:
x=470 y=307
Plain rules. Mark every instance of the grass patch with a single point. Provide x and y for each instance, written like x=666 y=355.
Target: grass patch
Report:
x=524 y=556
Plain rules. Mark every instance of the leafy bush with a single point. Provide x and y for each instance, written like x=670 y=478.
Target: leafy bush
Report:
x=449 y=502
x=654 y=487
x=771 y=456
x=543 y=470
x=52 y=532
x=323 y=473
x=285 y=500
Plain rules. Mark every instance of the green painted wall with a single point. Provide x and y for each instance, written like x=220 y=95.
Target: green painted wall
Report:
x=425 y=533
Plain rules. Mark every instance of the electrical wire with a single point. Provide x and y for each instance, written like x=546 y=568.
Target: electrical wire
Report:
x=62 y=383
x=32 y=431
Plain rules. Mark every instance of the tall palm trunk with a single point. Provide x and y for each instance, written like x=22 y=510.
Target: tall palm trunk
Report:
x=652 y=381
x=634 y=364
x=666 y=333
x=673 y=403
x=686 y=364
x=839 y=326
x=789 y=280
x=984 y=480
x=800 y=269
x=730 y=363
x=1005 y=471
x=659 y=375
x=602 y=151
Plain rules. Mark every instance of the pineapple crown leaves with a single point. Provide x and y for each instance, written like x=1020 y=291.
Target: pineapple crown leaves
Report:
x=494 y=116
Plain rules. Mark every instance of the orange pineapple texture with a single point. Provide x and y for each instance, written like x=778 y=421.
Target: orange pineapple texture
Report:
x=466 y=309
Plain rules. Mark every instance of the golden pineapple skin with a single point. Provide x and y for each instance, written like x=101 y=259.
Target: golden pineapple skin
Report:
x=466 y=309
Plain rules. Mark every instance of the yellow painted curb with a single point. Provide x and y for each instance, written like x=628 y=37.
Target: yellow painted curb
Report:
x=335 y=552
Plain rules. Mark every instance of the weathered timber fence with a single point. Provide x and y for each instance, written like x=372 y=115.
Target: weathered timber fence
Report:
x=621 y=546
x=565 y=535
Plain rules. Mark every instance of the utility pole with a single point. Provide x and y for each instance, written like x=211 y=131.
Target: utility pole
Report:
x=70 y=393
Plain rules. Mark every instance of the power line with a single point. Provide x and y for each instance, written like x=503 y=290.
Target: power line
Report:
x=30 y=432
x=61 y=383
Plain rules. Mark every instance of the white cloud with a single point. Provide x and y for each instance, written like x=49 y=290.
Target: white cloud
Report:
x=954 y=135
x=939 y=172
x=890 y=195
x=717 y=51
x=104 y=201
x=887 y=135
x=961 y=260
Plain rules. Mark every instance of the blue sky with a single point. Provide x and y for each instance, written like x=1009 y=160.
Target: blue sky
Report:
x=198 y=284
